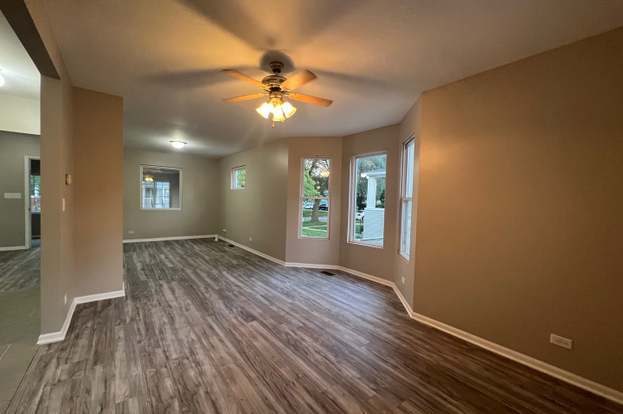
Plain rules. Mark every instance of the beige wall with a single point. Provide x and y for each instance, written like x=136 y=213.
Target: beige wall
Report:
x=309 y=250
x=200 y=196
x=519 y=224
x=13 y=148
x=259 y=211
x=80 y=131
x=98 y=182
x=57 y=253
x=404 y=270
x=20 y=114
x=374 y=261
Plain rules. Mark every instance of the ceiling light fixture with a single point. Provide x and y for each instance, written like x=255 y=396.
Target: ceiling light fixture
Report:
x=277 y=107
x=280 y=89
x=177 y=144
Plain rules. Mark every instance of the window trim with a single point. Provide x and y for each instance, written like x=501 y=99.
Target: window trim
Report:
x=140 y=185
x=352 y=194
x=301 y=198
x=232 y=180
x=403 y=199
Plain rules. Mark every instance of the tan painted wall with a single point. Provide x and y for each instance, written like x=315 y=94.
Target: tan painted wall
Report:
x=57 y=253
x=375 y=261
x=309 y=250
x=98 y=183
x=519 y=224
x=404 y=270
x=13 y=148
x=200 y=196
x=259 y=211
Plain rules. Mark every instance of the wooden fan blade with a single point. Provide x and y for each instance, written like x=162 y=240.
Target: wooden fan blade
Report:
x=314 y=100
x=233 y=73
x=299 y=79
x=242 y=98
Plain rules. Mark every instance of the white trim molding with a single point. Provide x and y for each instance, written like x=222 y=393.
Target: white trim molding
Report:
x=544 y=367
x=251 y=250
x=58 y=336
x=12 y=248
x=156 y=239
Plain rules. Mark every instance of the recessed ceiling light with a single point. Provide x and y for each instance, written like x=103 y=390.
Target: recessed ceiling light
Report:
x=177 y=144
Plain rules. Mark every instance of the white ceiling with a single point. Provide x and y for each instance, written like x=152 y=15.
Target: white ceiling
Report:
x=19 y=72
x=372 y=57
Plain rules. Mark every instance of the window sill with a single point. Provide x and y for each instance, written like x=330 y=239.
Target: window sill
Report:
x=366 y=245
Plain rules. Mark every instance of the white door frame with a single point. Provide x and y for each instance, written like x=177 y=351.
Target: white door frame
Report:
x=27 y=235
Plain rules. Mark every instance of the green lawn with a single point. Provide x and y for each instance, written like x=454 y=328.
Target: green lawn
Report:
x=314 y=229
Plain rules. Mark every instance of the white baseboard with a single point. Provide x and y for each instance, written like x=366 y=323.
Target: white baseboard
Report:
x=251 y=250
x=155 y=239
x=12 y=248
x=60 y=335
x=523 y=359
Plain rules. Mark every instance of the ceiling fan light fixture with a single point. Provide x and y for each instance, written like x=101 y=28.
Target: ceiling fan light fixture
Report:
x=288 y=109
x=177 y=144
x=265 y=110
x=278 y=115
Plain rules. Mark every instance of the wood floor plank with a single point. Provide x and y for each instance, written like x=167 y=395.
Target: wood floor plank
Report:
x=208 y=328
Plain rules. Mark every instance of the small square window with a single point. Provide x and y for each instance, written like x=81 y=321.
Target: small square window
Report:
x=161 y=188
x=239 y=178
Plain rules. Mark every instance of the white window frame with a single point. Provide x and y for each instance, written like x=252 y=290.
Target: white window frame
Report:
x=352 y=200
x=232 y=178
x=302 y=198
x=404 y=199
x=140 y=184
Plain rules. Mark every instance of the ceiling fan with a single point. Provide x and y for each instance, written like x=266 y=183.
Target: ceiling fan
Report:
x=277 y=89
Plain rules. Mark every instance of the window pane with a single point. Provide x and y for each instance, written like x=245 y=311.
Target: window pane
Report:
x=160 y=188
x=239 y=178
x=315 y=217
x=407 y=194
x=315 y=177
x=368 y=217
x=405 y=225
x=410 y=153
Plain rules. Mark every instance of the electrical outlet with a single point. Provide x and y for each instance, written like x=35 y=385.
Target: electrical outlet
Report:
x=130 y=231
x=65 y=299
x=402 y=280
x=224 y=230
x=561 y=341
x=62 y=204
x=250 y=238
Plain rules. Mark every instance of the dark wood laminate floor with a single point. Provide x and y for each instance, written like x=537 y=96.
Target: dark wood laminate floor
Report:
x=213 y=329
x=19 y=270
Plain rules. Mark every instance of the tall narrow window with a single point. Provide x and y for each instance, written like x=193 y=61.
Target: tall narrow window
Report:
x=239 y=178
x=314 y=198
x=161 y=188
x=406 y=197
x=367 y=215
